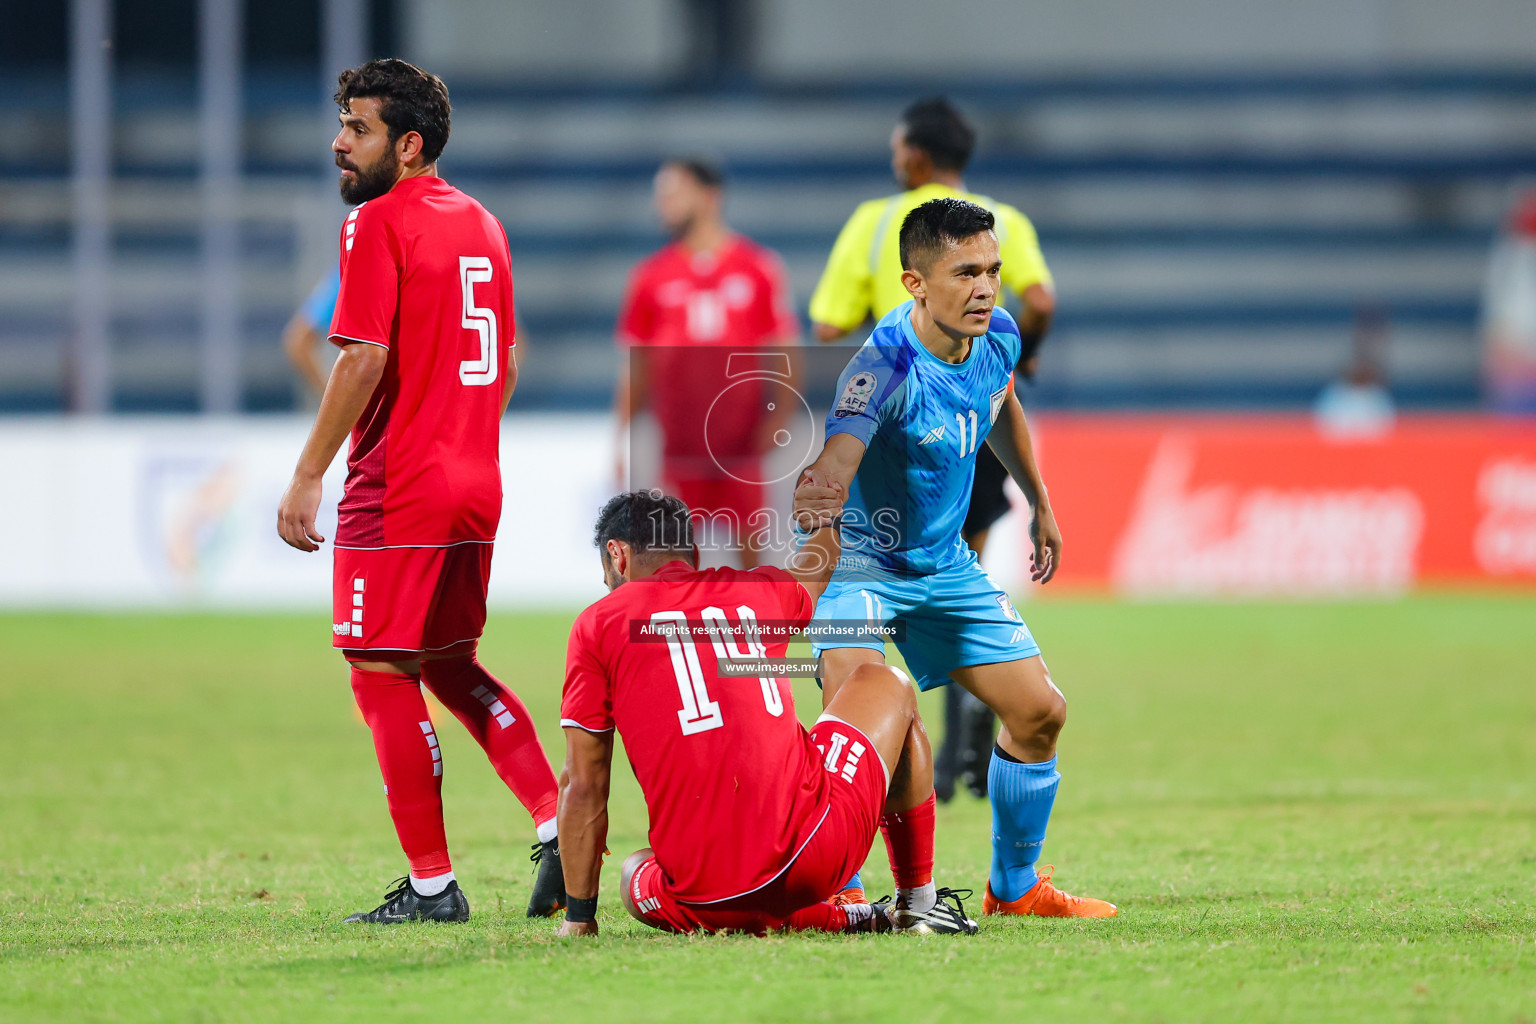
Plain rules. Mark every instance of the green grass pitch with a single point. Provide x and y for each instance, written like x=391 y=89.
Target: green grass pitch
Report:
x=1305 y=812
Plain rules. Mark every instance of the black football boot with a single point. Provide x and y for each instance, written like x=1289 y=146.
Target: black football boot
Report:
x=977 y=729
x=549 y=887
x=402 y=904
x=946 y=917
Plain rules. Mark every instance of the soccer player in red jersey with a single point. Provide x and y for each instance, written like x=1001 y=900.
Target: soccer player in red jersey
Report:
x=753 y=821
x=424 y=322
x=691 y=316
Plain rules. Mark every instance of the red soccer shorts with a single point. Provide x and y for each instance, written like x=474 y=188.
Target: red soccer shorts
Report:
x=389 y=600
x=856 y=800
x=740 y=500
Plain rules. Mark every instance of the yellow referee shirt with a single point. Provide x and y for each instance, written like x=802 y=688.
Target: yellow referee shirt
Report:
x=863 y=275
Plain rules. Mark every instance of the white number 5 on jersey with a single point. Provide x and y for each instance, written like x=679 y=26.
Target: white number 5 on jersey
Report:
x=475 y=270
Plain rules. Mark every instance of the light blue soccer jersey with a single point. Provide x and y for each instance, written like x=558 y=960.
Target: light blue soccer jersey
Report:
x=320 y=305
x=921 y=420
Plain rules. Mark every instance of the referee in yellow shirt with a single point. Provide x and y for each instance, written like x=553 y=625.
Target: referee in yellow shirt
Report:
x=930 y=147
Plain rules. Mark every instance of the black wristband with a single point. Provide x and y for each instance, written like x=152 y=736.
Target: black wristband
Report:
x=582 y=911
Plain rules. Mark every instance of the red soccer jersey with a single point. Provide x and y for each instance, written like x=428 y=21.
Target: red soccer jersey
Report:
x=425 y=273
x=679 y=302
x=732 y=781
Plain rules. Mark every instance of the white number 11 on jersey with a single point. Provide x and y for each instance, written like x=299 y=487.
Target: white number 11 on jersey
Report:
x=475 y=270
x=964 y=438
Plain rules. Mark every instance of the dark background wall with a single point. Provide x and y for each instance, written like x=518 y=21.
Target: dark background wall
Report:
x=162 y=34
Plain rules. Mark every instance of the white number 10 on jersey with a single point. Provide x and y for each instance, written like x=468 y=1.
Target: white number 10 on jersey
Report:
x=475 y=270
x=699 y=712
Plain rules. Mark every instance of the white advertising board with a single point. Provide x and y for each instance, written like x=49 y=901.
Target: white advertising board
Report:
x=181 y=512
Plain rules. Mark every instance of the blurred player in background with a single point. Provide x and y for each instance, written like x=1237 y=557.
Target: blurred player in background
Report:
x=689 y=308
x=919 y=396
x=930 y=148
x=753 y=821
x=1358 y=405
x=1509 y=312
x=307 y=331
x=423 y=320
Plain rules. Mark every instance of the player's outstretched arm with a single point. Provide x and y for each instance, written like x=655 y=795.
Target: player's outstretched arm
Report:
x=1010 y=441
x=629 y=398
x=300 y=340
x=838 y=462
x=356 y=374
x=818 y=503
x=583 y=819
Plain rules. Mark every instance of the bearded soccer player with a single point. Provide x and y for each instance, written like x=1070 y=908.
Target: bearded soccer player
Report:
x=753 y=821
x=932 y=382
x=424 y=323
x=692 y=315
x=930 y=148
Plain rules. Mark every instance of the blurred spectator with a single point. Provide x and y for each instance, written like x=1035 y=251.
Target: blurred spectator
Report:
x=688 y=312
x=1358 y=404
x=1509 y=313
x=306 y=333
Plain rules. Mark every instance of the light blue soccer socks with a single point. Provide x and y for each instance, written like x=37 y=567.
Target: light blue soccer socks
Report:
x=855 y=882
x=1022 y=796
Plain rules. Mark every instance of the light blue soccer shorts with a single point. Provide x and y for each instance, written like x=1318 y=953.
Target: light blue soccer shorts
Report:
x=953 y=619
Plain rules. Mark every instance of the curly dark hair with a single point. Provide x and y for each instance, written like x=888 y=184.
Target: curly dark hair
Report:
x=936 y=223
x=646 y=521
x=413 y=100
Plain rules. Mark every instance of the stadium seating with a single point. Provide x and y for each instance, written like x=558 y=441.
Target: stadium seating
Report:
x=1214 y=240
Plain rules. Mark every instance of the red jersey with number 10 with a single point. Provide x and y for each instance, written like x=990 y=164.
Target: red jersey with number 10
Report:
x=690 y=311
x=425 y=273
x=732 y=782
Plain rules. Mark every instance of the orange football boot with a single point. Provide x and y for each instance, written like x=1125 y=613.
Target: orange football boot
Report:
x=852 y=894
x=1045 y=900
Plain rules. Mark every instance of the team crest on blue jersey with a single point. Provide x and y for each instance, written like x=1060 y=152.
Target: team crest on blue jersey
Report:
x=997 y=401
x=856 y=394
x=1008 y=608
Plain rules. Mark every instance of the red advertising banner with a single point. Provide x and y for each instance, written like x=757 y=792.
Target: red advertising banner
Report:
x=1248 y=505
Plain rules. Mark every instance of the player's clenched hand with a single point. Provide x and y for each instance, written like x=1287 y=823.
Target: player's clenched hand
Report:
x=571 y=929
x=818 y=499
x=1047 y=537
x=296 y=513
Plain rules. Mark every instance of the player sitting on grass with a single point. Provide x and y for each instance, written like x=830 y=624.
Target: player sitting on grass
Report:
x=753 y=821
x=913 y=407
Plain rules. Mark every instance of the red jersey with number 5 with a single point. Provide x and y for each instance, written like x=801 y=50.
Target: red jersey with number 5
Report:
x=425 y=273
x=732 y=782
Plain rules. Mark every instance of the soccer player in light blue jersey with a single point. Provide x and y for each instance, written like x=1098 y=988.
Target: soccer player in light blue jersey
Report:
x=304 y=337
x=930 y=385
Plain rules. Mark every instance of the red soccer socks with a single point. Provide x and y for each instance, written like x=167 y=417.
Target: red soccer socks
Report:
x=502 y=726
x=909 y=842
x=411 y=763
